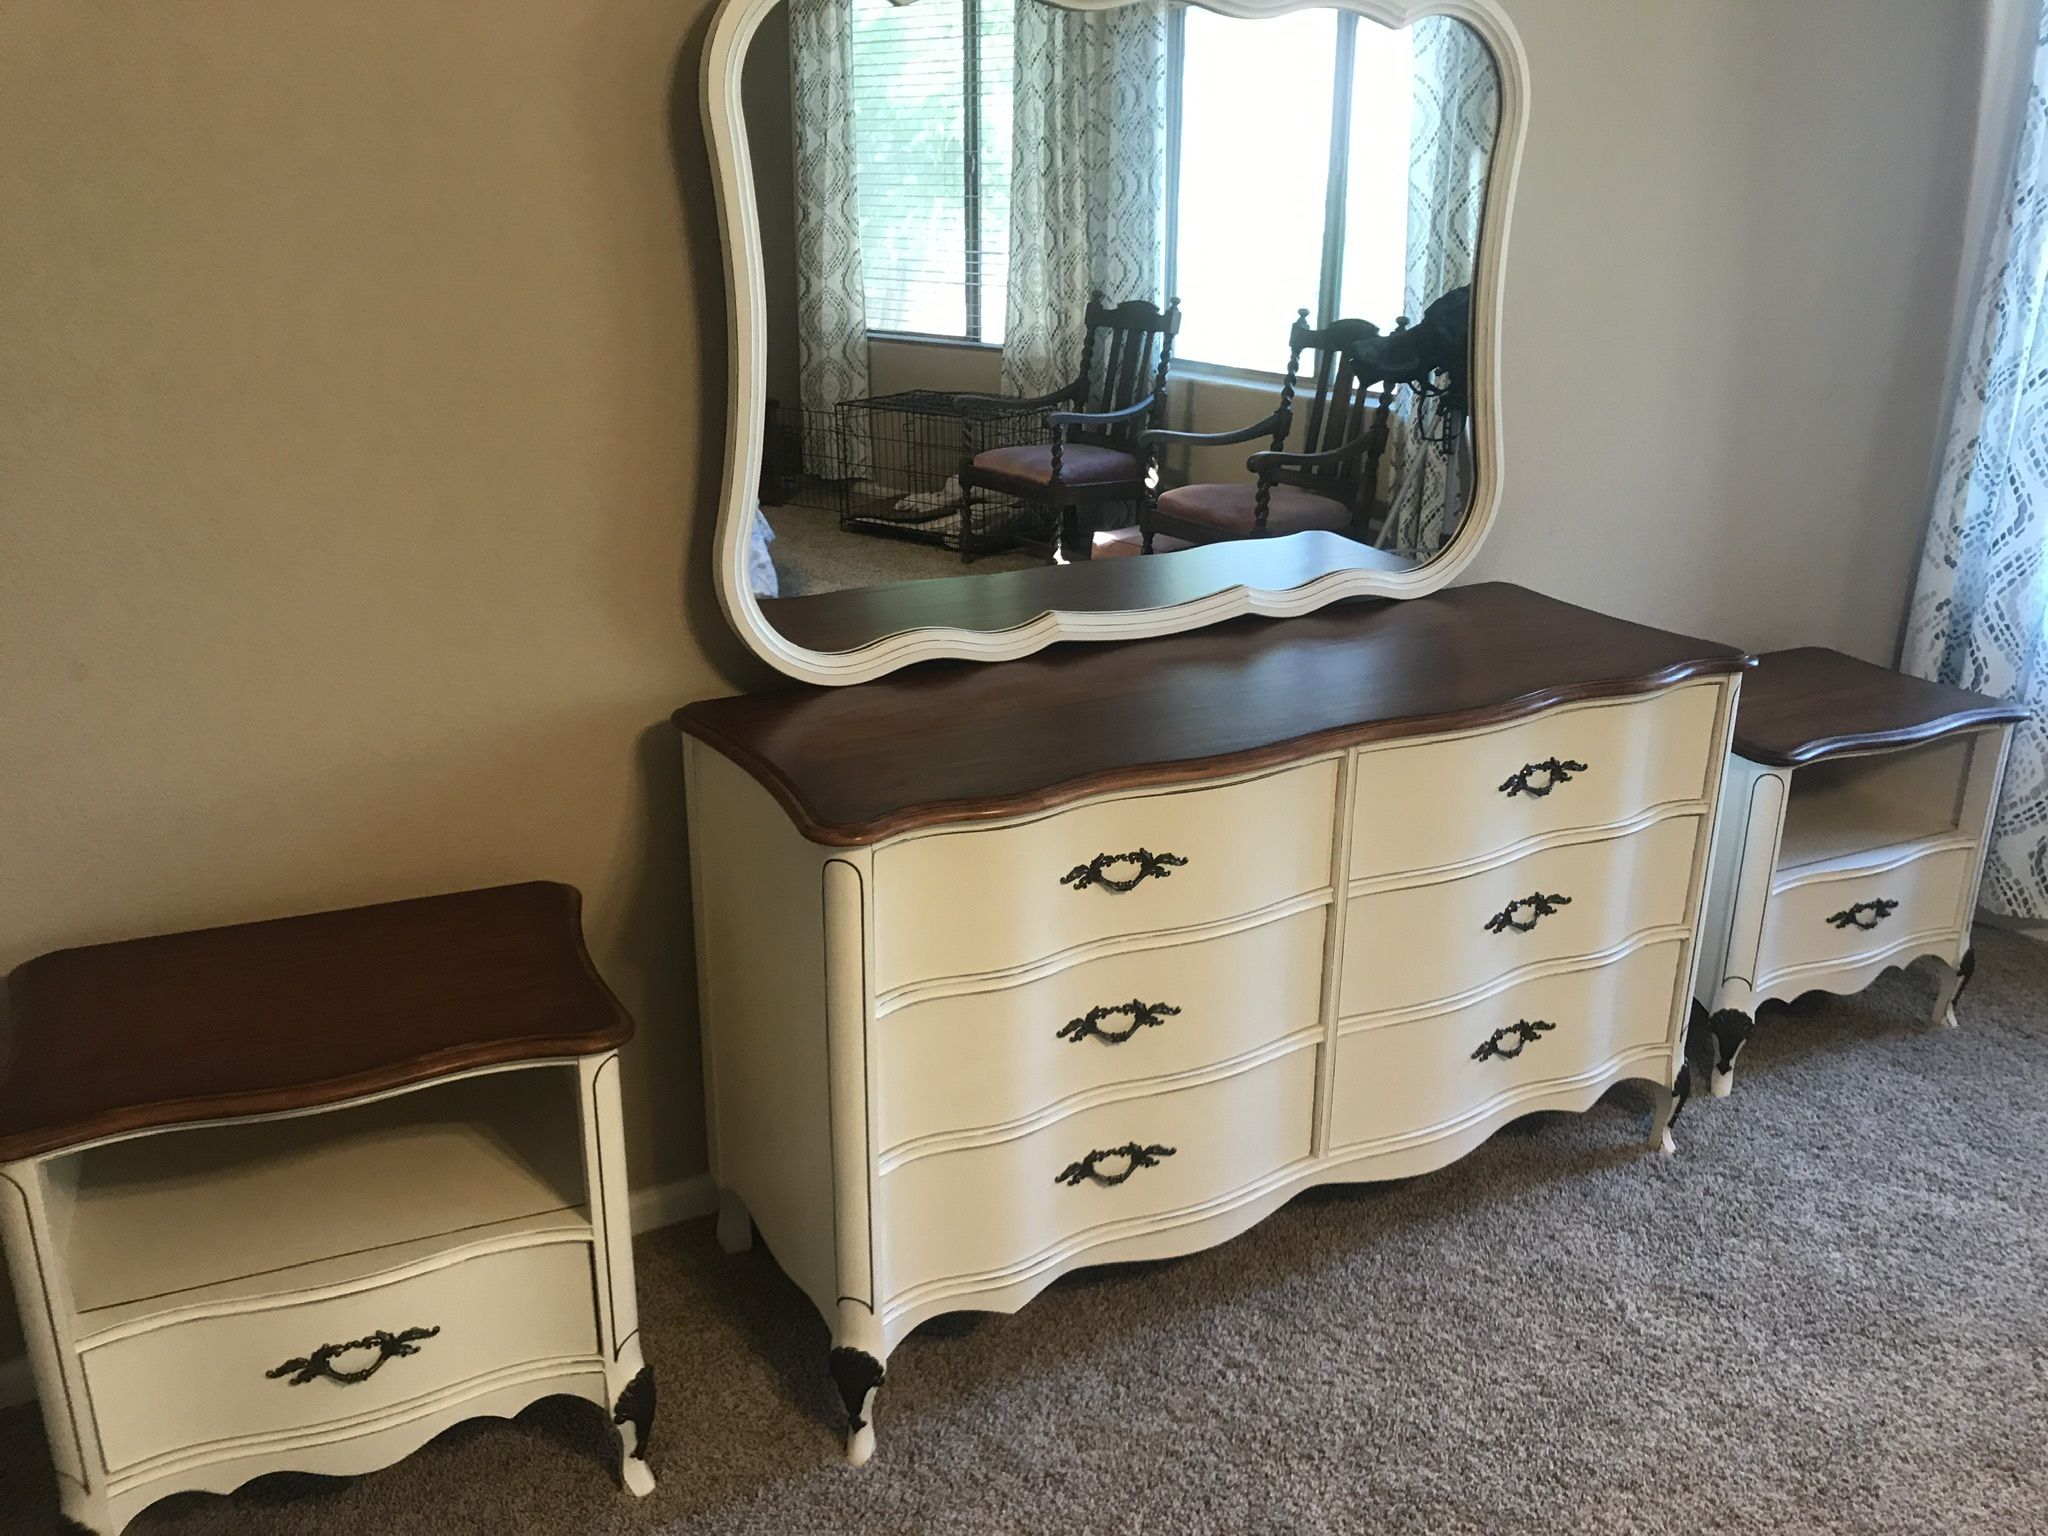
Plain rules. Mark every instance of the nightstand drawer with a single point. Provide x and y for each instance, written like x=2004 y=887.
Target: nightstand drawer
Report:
x=199 y=1383
x=1414 y=944
x=986 y=1209
x=1824 y=920
x=980 y=1059
x=1436 y=1073
x=1460 y=798
x=973 y=902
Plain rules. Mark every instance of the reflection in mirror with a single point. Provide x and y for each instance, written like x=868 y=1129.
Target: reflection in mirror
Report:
x=1048 y=286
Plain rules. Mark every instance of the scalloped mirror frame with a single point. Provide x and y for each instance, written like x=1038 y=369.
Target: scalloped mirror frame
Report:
x=747 y=351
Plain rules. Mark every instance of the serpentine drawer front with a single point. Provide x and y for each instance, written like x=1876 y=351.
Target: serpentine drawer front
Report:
x=1411 y=1076
x=978 y=1059
x=1824 y=920
x=1104 y=957
x=985 y=1209
x=1590 y=766
x=1136 y=864
x=1412 y=944
x=261 y=1371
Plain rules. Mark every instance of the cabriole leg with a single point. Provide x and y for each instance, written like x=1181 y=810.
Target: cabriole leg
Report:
x=858 y=1375
x=1670 y=1103
x=1952 y=988
x=1732 y=1028
x=633 y=1418
x=735 y=1226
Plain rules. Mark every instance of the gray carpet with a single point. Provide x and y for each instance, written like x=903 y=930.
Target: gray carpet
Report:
x=812 y=553
x=1825 y=1314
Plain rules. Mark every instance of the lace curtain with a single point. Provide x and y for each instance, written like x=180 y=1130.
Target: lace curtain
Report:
x=1454 y=120
x=1980 y=610
x=831 y=301
x=1088 y=178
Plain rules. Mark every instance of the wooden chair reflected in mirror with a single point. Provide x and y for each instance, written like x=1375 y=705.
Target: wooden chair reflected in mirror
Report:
x=1093 y=456
x=1327 y=483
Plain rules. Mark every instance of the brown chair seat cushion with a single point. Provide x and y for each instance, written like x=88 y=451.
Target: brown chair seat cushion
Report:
x=1232 y=510
x=1114 y=543
x=1027 y=467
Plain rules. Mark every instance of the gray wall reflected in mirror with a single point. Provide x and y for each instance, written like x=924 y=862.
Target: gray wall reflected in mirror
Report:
x=941 y=187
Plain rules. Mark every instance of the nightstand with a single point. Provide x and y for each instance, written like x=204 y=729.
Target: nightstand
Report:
x=1854 y=817
x=301 y=1194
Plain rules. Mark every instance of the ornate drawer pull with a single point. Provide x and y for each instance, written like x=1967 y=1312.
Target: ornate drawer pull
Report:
x=1522 y=1032
x=1852 y=917
x=1540 y=906
x=1153 y=866
x=389 y=1346
x=1140 y=1157
x=1555 y=771
x=1143 y=1016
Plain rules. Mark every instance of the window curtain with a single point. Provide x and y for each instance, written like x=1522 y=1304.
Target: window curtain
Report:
x=831 y=302
x=1088 y=178
x=1979 y=617
x=1453 y=122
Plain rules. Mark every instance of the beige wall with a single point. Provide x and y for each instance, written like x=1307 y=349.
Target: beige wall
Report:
x=363 y=376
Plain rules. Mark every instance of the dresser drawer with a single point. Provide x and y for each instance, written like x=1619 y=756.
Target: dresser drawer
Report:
x=987 y=1209
x=1420 y=1077
x=195 y=1383
x=971 y=902
x=981 y=1059
x=1412 y=944
x=1460 y=798
x=1833 y=918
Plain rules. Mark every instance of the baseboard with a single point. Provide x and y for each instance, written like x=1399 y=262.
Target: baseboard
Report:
x=661 y=1206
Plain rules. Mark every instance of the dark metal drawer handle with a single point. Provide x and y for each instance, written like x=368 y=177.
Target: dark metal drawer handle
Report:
x=389 y=1346
x=1540 y=906
x=1140 y=1157
x=1522 y=1032
x=1555 y=771
x=1143 y=1016
x=1878 y=910
x=1151 y=866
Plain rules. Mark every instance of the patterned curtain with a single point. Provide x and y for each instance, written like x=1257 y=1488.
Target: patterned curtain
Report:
x=1455 y=117
x=1088 y=178
x=1980 y=611
x=831 y=302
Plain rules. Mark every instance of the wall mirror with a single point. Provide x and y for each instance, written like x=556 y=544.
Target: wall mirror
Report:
x=1102 y=320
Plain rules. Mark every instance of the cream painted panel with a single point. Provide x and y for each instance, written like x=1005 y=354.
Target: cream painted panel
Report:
x=1442 y=802
x=979 y=901
x=990 y=1208
x=190 y=1384
x=1929 y=891
x=1416 y=944
x=981 y=1059
x=1415 y=1077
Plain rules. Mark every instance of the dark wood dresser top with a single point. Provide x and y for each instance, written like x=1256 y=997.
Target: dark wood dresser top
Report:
x=1807 y=704
x=955 y=741
x=296 y=1012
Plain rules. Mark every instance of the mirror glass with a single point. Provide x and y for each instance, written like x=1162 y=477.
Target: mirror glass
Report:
x=1044 y=286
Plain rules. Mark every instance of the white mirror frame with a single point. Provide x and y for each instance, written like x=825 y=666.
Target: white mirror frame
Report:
x=732 y=173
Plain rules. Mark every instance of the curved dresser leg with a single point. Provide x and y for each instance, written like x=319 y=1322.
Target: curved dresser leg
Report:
x=1952 y=989
x=1670 y=1104
x=1732 y=1028
x=633 y=1418
x=858 y=1375
x=735 y=1226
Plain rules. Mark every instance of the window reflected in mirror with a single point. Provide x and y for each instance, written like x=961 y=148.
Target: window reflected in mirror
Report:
x=1049 y=286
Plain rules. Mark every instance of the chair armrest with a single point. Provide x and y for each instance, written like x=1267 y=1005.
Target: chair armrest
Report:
x=1260 y=463
x=1279 y=421
x=1100 y=418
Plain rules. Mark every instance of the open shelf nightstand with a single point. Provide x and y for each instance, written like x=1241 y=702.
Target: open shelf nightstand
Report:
x=301 y=1194
x=1855 y=813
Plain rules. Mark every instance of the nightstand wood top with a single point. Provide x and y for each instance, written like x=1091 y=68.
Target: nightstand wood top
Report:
x=1800 y=706
x=296 y=1012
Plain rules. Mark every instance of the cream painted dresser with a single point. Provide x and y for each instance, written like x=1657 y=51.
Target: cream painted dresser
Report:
x=1105 y=954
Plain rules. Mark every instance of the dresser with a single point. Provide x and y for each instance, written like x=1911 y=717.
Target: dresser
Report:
x=299 y=1195
x=1859 y=803
x=1105 y=954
